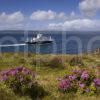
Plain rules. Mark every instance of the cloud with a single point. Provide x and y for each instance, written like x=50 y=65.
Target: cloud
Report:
x=72 y=21
x=11 y=21
x=13 y=18
x=46 y=15
x=77 y=24
x=89 y=7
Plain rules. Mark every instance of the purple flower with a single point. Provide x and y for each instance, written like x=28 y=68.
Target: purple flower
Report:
x=75 y=71
x=6 y=72
x=87 y=90
x=19 y=69
x=72 y=77
x=4 y=78
x=13 y=72
x=64 y=84
x=18 y=78
x=97 y=81
x=82 y=85
x=85 y=75
x=26 y=71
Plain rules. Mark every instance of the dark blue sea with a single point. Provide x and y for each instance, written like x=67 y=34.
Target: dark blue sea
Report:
x=64 y=42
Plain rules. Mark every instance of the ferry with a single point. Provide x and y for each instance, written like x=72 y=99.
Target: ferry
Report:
x=40 y=39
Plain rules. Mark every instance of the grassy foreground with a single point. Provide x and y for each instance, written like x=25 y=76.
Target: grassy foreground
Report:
x=48 y=69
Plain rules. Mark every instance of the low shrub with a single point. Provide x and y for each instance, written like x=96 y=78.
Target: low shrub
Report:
x=19 y=79
x=80 y=81
x=57 y=62
x=22 y=81
x=53 y=62
x=76 y=61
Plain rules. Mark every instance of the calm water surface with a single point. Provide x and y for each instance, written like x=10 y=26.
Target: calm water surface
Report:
x=65 y=42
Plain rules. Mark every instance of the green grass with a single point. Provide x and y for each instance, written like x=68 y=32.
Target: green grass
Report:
x=46 y=74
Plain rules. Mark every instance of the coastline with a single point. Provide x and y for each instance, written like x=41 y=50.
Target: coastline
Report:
x=49 y=67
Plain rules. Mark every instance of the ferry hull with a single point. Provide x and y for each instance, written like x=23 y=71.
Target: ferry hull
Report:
x=39 y=42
